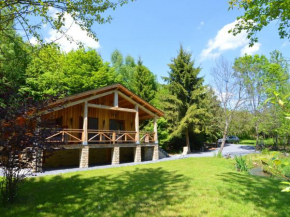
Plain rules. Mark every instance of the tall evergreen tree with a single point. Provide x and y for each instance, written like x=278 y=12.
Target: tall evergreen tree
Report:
x=185 y=104
x=144 y=82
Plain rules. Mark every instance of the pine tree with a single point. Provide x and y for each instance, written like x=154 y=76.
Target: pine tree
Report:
x=144 y=82
x=185 y=105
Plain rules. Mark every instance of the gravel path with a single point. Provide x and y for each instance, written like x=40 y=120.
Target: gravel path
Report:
x=229 y=149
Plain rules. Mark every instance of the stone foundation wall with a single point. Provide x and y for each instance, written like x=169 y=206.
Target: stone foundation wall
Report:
x=62 y=158
x=91 y=155
x=147 y=153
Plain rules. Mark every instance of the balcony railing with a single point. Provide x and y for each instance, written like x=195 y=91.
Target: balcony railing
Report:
x=100 y=136
x=146 y=137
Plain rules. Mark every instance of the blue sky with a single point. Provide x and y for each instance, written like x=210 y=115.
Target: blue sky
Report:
x=154 y=30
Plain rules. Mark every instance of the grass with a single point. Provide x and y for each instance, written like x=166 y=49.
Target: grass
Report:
x=187 y=187
x=267 y=142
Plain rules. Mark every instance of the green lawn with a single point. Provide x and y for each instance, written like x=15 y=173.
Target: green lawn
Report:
x=188 y=187
x=253 y=142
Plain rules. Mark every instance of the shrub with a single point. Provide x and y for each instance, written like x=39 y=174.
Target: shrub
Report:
x=241 y=164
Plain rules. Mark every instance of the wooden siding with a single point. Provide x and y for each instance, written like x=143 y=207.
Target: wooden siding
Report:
x=71 y=117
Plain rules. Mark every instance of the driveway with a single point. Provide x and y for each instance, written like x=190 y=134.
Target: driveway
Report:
x=229 y=149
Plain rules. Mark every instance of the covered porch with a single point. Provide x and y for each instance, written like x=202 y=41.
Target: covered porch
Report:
x=106 y=118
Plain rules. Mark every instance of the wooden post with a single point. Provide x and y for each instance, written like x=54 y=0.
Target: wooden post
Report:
x=85 y=125
x=137 y=137
x=155 y=130
x=116 y=103
x=114 y=137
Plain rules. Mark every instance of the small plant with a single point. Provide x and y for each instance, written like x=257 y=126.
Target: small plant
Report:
x=241 y=164
x=265 y=151
x=286 y=189
x=218 y=155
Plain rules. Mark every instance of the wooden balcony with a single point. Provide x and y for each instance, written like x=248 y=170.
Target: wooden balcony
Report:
x=76 y=136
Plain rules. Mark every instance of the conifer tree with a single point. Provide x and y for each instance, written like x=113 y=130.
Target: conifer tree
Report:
x=144 y=82
x=185 y=105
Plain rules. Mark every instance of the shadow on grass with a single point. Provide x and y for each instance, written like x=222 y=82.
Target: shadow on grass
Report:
x=142 y=192
x=264 y=193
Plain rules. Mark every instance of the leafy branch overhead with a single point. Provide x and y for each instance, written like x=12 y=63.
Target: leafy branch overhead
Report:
x=260 y=13
x=29 y=16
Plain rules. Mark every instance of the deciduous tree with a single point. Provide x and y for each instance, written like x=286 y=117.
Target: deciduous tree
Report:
x=252 y=72
x=230 y=91
x=260 y=13
x=22 y=138
x=29 y=16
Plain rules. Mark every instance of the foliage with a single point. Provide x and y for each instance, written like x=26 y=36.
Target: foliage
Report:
x=144 y=82
x=252 y=71
x=14 y=58
x=230 y=91
x=218 y=155
x=29 y=16
x=260 y=13
x=22 y=137
x=52 y=72
x=241 y=164
x=213 y=122
x=245 y=119
x=124 y=69
x=185 y=105
x=286 y=189
x=273 y=162
x=162 y=131
x=278 y=165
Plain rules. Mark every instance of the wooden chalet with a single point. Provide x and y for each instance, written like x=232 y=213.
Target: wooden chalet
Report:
x=101 y=126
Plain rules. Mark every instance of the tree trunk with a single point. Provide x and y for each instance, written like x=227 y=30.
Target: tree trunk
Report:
x=187 y=141
x=224 y=139
x=257 y=134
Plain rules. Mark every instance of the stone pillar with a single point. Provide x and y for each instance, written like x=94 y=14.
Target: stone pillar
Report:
x=116 y=156
x=84 y=157
x=37 y=161
x=137 y=154
x=156 y=152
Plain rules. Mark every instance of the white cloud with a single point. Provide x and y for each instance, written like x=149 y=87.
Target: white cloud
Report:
x=287 y=43
x=225 y=41
x=250 y=50
x=33 y=41
x=73 y=31
x=201 y=24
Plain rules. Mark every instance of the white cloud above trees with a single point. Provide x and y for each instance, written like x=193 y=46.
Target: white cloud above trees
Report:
x=250 y=50
x=225 y=41
x=72 y=30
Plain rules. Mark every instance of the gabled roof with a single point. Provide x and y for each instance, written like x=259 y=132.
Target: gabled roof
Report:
x=119 y=87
